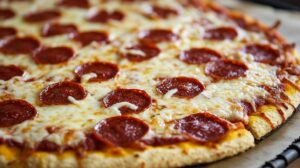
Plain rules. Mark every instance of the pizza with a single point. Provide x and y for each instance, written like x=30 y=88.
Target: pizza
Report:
x=138 y=83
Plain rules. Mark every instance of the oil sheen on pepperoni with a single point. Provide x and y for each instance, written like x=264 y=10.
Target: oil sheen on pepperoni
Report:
x=199 y=56
x=19 y=45
x=52 y=55
x=134 y=96
x=121 y=130
x=74 y=3
x=103 y=70
x=186 y=87
x=10 y=71
x=42 y=16
x=226 y=69
x=221 y=33
x=85 y=38
x=54 y=29
x=263 y=53
x=7 y=31
x=59 y=93
x=162 y=12
x=14 y=112
x=157 y=36
x=149 y=51
x=6 y=14
x=104 y=16
x=203 y=127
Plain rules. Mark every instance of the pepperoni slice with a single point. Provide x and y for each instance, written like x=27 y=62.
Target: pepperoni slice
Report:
x=263 y=53
x=14 y=112
x=203 y=127
x=134 y=96
x=221 y=33
x=7 y=31
x=19 y=45
x=104 y=16
x=42 y=16
x=162 y=141
x=48 y=146
x=59 y=93
x=157 y=36
x=74 y=3
x=199 y=56
x=54 y=29
x=186 y=87
x=293 y=70
x=103 y=71
x=85 y=38
x=226 y=69
x=52 y=55
x=121 y=130
x=6 y=14
x=147 y=52
x=162 y=12
x=10 y=71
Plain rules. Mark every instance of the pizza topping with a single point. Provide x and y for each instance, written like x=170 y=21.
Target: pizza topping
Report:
x=74 y=3
x=162 y=141
x=10 y=71
x=52 y=55
x=136 y=97
x=14 y=112
x=42 y=16
x=104 y=16
x=141 y=52
x=185 y=87
x=19 y=45
x=293 y=70
x=48 y=146
x=120 y=130
x=103 y=71
x=85 y=38
x=157 y=36
x=226 y=69
x=199 y=56
x=248 y=108
x=54 y=29
x=6 y=14
x=59 y=93
x=203 y=127
x=221 y=33
x=263 y=53
x=162 y=12
x=7 y=31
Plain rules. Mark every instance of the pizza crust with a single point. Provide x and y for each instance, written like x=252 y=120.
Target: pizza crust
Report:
x=170 y=156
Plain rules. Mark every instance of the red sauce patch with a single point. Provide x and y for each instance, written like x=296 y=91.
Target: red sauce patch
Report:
x=221 y=33
x=203 y=127
x=85 y=38
x=10 y=71
x=186 y=87
x=134 y=96
x=199 y=56
x=48 y=146
x=103 y=70
x=104 y=16
x=120 y=130
x=263 y=53
x=41 y=16
x=14 y=112
x=54 y=29
x=157 y=36
x=58 y=93
x=226 y=69
x=52 y=55
x=7 y=32
x=149 y=51
x=19 y=45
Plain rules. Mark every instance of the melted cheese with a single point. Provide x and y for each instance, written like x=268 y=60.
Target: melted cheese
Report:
x=219 y=98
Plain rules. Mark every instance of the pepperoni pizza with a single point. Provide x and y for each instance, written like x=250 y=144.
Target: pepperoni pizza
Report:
x=138 y=83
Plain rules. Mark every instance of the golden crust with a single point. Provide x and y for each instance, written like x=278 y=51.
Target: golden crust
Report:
x=170 y=156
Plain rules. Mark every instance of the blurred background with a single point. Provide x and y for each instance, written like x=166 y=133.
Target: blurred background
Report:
x=283 y=4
